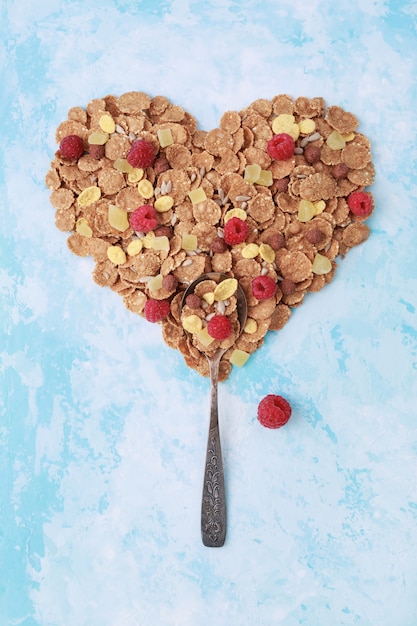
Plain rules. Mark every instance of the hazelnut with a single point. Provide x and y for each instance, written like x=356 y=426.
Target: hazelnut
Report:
x=169 y=282
x=193 y=301
x=287 y=286
x=281 y=184
x=340 y=170
x=163 y=231
x=314 y=236
x=312 y=154
x=95 y=151
x=276 y=241
x=161 y=165
x=218 y=245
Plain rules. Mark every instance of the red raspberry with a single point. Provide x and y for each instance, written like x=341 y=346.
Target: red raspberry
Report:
x=281 y=147
x=360 y=203
x=263 y=287
x=235 y=231
x=143 y=219
x=157 y=310
x=274 y=411
x=71 y=147
x=219 y=327
x=141 y=154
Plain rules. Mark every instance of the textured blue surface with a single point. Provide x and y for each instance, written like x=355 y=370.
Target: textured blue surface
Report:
x=103 y=428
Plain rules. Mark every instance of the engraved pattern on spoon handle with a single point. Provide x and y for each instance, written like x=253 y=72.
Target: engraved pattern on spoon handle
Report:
x=213 y=505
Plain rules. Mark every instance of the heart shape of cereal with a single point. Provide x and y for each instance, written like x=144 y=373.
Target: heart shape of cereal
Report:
x=276 y=191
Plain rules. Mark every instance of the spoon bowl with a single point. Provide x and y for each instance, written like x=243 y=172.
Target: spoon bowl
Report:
x=213 y=505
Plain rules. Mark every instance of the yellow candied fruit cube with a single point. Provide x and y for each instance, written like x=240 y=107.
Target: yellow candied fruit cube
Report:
x=307 y=126
x=116 y=255
x=204 y=338
x=146 y=189
x=335 y=141
x=89 y=195
x=250 y=251
x=117 y=218
x=83 y=228
x=147 y=240
x=134 y=247
x=267 y=253
x=192 y=324
x=98 y=138
x=155 y=283
x=106 y=123
x=349 y=137
x=135 y=175
x=197 y=195
x=319 y=207
x=189 y=242
x=306 y=210
x=165 y=137
x=265 y=178
x=252 y=173
x=122 y=166
x=209 y=297
x=160 y=243
x=239 y=357
x=225 y=289
x=321 y=264
x=240 y=213
x=251 y=326
x=163 y=204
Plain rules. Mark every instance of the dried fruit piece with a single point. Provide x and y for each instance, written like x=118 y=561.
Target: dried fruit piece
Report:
x=274 y=411
x=225 y=289
x=235 y=231
x=143 y=219
x=197 y=195
x=89 y=195
x=71 y=147
x=116 y=255
x=360 y=203
x=263 y=287
x=321 y=264
x=141 y=154
x=156 y=310
x=219 y=327
x=239 y=357
x=281 y=147
x=118 y=218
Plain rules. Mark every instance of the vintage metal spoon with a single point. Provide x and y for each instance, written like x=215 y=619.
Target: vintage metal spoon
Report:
x=213 y=505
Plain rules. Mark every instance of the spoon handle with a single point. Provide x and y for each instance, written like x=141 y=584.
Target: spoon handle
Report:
x=213 y=505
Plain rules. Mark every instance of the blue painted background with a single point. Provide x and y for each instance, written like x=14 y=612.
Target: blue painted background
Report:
x=103 y=429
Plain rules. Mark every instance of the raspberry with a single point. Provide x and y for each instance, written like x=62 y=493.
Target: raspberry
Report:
x=219 y=327
x=143 y=219
x=71 y=147
x=263 y=287
x=141 y=154
x=360 y=203
x=235 y=231
x=274 y=411
x=157 y=310
x=281 y=147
